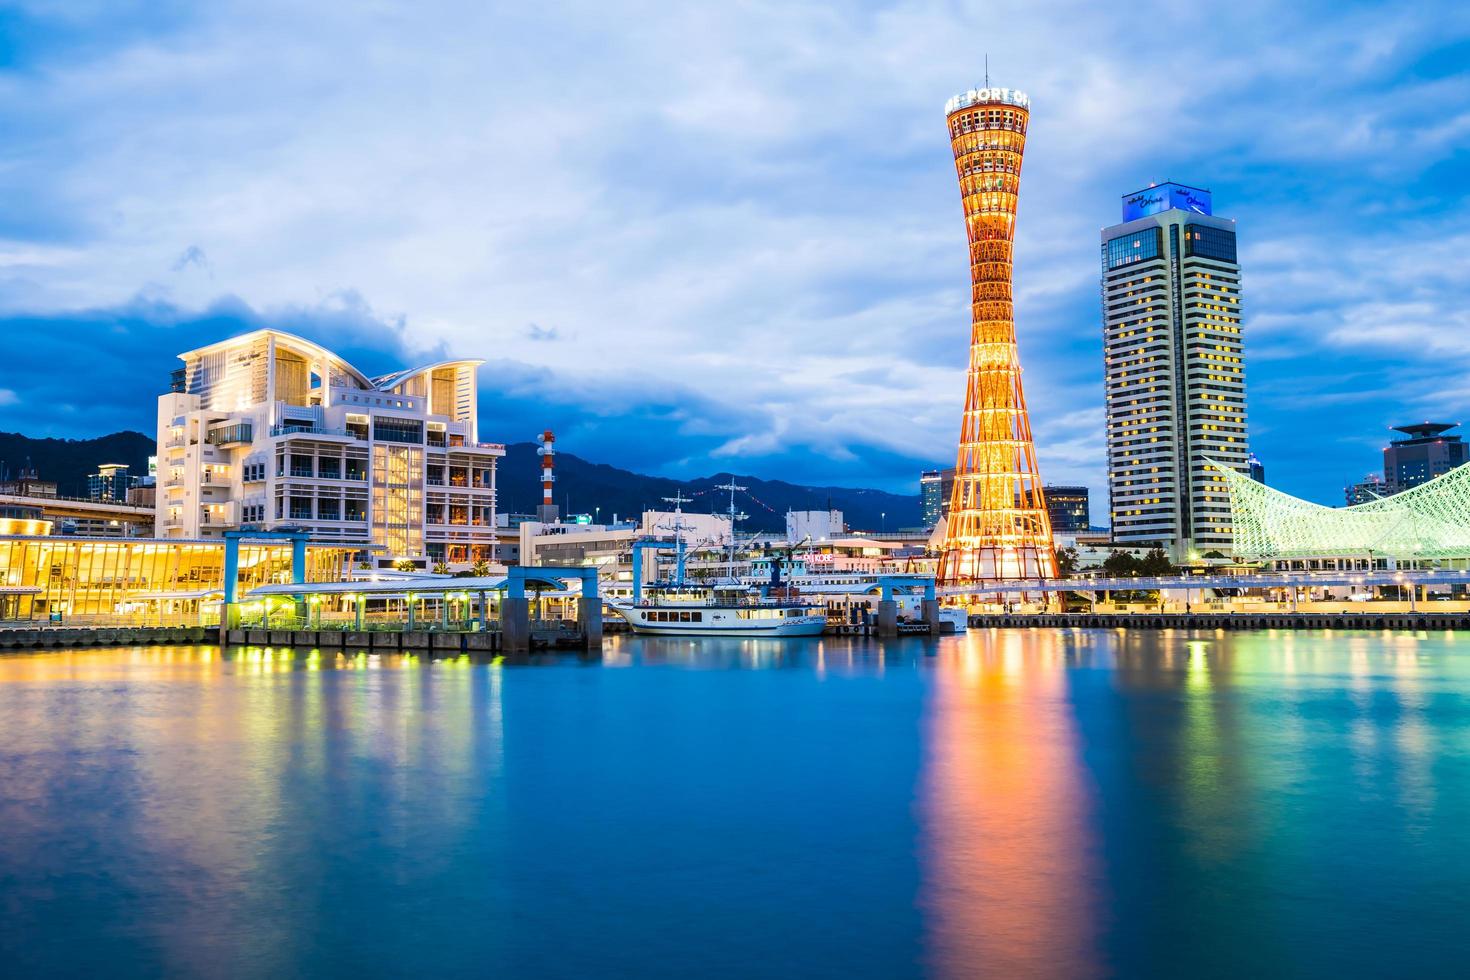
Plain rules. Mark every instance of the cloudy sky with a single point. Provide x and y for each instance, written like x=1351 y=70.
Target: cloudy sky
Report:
x=697 y=237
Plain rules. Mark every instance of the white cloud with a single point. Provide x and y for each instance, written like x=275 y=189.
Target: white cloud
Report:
x=755 y=200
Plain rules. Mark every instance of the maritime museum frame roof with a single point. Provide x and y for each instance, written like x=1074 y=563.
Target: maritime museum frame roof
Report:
x=1431 y=520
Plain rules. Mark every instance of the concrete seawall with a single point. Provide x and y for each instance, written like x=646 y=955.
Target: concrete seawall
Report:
x=105 y=636
x=55 y=638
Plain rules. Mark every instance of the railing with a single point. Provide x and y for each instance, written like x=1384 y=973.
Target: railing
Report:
x=241 y=432
x=280 y=621
x=311 y=430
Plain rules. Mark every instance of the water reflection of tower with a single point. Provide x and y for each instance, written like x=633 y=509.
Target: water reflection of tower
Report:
x=998 y=526
x=1010 y=881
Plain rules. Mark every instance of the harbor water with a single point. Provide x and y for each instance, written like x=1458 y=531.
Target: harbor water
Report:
x=1005 y=803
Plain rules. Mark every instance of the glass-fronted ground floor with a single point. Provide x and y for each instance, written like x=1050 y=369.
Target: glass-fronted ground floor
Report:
x=140 y=581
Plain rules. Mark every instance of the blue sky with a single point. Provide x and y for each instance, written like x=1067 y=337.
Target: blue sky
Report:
x=699 y=237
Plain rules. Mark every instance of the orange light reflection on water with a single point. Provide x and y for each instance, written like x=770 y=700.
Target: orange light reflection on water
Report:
x=1008 y=886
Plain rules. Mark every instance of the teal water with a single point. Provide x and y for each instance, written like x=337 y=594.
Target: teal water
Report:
x=1026 y=803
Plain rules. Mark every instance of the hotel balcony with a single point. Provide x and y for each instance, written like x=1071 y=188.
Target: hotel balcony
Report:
x=314 y=431
x=237 y=434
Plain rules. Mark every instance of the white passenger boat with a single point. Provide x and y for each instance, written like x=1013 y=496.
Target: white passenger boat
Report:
x=716 y=615
x=731 y=608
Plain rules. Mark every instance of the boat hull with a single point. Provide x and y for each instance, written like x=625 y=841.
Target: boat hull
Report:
x=721 y=622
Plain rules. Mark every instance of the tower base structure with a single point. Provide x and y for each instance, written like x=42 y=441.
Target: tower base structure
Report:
x=976 y=576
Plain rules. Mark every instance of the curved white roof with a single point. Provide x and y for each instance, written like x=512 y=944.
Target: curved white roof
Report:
x=389 y=381
x=289 y=340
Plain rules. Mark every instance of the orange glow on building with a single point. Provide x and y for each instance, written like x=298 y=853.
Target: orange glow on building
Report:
x=998 y=527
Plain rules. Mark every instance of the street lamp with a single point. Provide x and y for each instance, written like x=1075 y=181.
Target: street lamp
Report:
x=882 y=521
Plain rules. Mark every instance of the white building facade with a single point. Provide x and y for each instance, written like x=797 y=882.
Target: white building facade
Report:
x=270 y=430
x=1175 y=382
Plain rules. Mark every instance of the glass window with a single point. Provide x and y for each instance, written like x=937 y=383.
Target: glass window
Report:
x=1209 y=243
x=397 y=430
x=1136 y=247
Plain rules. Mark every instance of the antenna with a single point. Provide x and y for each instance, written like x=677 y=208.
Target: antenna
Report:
x=987 y=69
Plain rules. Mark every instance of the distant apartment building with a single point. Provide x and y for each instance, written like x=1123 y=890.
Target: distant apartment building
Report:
x=1427 y=453
x=270 y=430
x=1175 y=376
x=1068 y=507
x=1371 y=487
x=1257 y=468
x=111 y=482
x=935 y=488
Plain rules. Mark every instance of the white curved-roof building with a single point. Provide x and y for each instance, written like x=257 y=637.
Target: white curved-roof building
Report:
x=269 y=429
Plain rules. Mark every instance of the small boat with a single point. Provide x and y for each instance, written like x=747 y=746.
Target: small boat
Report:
x=954 y=619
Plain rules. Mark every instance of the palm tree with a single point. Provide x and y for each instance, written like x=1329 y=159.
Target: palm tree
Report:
x=405 y=565
x=441 y=568
x=481 y=568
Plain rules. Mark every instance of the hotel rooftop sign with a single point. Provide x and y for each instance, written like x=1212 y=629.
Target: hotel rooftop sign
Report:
x=1158 y=198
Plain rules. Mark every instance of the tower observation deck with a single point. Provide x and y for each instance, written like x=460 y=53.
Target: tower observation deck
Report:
x=998 y=526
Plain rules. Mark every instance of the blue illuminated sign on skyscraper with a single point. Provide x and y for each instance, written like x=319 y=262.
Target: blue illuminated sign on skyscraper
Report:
x=1166 y=197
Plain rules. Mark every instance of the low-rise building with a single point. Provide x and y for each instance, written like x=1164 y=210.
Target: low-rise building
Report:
x=818 y=525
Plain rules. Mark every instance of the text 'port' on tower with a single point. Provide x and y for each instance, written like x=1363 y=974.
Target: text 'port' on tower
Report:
x=998 y=529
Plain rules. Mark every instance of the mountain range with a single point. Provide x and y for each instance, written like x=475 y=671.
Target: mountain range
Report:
x=582 y=486
x=69 y=461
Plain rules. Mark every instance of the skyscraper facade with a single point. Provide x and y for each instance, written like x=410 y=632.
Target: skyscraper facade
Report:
x=935 y=489
x=1068 y=508
x=998 y=527
x=1175 y=383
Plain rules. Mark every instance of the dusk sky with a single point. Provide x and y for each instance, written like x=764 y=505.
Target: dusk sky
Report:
x=702 y=237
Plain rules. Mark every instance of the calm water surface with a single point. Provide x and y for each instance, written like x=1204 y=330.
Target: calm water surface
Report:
x=1003 y=804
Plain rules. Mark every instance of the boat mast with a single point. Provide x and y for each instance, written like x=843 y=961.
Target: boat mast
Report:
x=734 y=516
x=678 y=527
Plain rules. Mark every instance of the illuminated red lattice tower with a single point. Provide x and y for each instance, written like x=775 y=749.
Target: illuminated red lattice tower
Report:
x=998 y=529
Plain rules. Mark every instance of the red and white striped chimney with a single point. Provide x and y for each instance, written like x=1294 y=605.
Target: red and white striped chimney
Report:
x=547 y=452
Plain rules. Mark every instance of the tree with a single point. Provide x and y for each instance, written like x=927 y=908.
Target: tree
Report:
x=1155 y=563
x=441 y=568
x=481 y=568
x=405 y=565
x=1066 y=562
x=1121 y=564
x=1215 y=555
